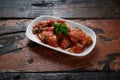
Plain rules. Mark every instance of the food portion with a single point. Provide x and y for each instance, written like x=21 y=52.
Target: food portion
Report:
x=59 y=34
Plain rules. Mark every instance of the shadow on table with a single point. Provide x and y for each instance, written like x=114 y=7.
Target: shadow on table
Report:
x=70 y=62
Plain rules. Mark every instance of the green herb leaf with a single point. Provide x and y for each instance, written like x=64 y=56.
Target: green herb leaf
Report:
x=61 y=28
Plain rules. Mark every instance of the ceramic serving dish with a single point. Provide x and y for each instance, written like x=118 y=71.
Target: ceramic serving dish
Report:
x=87 y=30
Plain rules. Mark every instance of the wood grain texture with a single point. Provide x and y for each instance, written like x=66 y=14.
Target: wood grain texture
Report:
x=17 y=53
x=61 y=76
x=61 y=8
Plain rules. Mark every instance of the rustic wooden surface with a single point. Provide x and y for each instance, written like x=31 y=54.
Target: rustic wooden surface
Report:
x=62 y=76
x=23 y=55
x=19 y=54
x=61 y=8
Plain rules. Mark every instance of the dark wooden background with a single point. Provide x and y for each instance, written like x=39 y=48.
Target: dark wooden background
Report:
x=100 y=15
x=61 y=8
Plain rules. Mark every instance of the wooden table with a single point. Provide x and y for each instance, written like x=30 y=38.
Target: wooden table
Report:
x=19 y=54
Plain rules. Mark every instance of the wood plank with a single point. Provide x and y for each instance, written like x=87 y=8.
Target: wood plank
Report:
x=24 y=55
x=64 y=9
x=61 y=76
x=12 y=30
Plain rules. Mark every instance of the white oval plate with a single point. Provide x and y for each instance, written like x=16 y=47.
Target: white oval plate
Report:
x=87 y=30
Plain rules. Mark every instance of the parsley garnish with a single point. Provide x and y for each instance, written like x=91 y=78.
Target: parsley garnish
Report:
x=61 y=28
